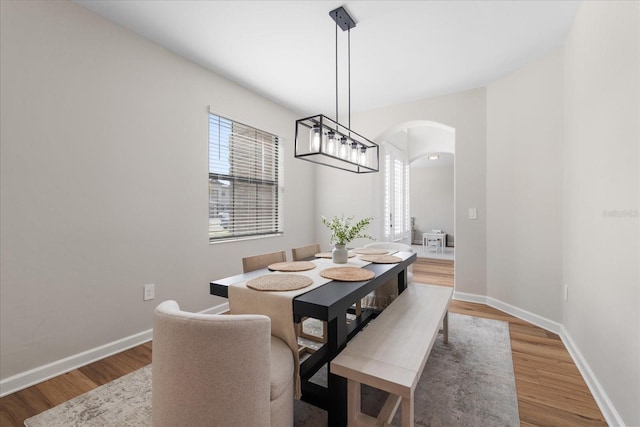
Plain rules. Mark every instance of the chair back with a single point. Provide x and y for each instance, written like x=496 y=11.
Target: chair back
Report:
x=210 y=369
x=305 y=252
x=257 y=262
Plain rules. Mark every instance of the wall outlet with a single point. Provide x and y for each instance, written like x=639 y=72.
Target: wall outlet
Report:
x=149 y=292
x=566 y=293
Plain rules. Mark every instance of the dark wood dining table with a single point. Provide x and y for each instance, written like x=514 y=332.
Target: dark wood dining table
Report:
x=331 y=303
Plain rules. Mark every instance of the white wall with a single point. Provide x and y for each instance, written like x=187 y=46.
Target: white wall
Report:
x=524 y=188
x=104 y=182
x=432 y=200
x=601 y=179
x=338 y=192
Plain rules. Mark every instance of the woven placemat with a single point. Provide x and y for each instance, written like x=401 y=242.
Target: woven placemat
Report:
x=279 y=282
x=381 y=259
x=292 y=266
x=329 y=255
x=370 y=251
x=347 y=274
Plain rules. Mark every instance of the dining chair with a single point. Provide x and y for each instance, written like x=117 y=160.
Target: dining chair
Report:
x=223 y=370
x=299 y=254
x=257 y=262
x=305 y=252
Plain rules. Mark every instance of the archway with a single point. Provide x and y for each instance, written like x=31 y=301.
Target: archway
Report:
x=429 y=150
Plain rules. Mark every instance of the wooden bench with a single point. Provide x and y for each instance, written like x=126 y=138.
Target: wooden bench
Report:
x=391 y=352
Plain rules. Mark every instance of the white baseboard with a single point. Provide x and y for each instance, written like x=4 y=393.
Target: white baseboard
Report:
x=602 y=400
x=612 y=416
x=532 y=318
x=50 y=370
x=218 y=309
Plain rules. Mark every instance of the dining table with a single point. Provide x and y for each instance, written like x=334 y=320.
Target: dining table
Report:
x=333 y=302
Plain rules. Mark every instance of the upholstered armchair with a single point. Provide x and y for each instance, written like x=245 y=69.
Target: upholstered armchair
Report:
x=219 y=370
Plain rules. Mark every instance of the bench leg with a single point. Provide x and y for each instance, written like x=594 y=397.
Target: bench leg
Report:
x=445 y=327
x=407 y=411
x=353 y=402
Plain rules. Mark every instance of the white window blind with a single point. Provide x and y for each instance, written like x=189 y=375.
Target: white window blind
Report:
x=244 y=181
x=387 y=197
x=407 y=214
x=397 y=221
x=398 y=203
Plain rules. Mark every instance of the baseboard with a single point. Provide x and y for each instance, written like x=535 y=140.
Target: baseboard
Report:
x=42 y=373
x=609 y=412
x=532 y=318
x=602 y=400
x=218 y=309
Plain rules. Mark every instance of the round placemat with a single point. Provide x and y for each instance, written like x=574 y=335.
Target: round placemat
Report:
x=370 y=251
x=381 y=259
x=347 y=274
x=279 y=282
x=330 y=255
x=292 y=266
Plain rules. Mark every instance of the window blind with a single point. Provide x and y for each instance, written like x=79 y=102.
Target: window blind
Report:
x=398 y=181
x=397 y=220
x=244 y=181
x=388 y=220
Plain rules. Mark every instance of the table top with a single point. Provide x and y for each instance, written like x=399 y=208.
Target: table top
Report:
x=327 y=301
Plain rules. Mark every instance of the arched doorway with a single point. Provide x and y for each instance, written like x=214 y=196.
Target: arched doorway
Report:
x=427 y=150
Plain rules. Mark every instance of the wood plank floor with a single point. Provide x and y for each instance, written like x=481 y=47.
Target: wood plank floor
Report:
x=551 y=391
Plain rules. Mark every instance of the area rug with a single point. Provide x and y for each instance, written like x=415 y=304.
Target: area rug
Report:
x=467 y=382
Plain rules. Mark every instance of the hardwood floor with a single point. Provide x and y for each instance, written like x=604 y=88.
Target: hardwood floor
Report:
x=551 y=391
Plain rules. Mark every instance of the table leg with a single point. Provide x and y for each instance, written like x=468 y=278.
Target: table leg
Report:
x=337 y=385
x=402 y=281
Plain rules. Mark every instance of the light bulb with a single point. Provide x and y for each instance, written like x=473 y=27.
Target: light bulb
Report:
x=354 y=152
x=344 y=148
x=314 y=139
x=331 y=143
x=363 y=155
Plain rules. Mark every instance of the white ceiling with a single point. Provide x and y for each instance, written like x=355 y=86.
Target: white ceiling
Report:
x=400 y=50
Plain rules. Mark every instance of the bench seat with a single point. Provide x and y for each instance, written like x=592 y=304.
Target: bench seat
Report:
x=391 y=352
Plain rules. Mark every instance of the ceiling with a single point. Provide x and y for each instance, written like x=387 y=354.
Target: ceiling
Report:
x=401 y=51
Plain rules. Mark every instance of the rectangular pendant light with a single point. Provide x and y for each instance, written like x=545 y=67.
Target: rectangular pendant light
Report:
x=324 y=141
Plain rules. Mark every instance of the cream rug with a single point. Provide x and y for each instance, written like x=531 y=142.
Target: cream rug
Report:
x=468 y=382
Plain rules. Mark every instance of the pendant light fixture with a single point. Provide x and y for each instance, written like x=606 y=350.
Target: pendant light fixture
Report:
x=322 y=140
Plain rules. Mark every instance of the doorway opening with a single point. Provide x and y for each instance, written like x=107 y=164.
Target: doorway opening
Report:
x=418 y=168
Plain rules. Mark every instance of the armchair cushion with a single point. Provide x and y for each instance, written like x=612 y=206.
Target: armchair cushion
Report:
x=281 y=367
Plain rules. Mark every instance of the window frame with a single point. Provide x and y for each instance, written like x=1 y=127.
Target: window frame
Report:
x=256 y=159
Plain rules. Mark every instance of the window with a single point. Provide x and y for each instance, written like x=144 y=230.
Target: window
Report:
x=397 y=223
x=245 y=195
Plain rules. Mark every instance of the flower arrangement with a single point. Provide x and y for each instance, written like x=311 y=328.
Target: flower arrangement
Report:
x=342 y=232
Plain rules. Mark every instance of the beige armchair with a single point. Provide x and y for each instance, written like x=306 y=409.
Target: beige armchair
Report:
x=223 y=370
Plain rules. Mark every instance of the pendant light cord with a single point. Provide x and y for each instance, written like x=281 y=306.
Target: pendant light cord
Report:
x=336 y=74
x=349 y=70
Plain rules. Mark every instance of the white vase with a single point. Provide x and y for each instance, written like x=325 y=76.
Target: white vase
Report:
x=340 y=255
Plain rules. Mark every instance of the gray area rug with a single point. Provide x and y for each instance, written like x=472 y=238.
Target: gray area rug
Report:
x=467 y=382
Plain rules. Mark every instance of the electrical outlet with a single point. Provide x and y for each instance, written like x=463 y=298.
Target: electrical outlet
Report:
x=149 y=292
x=566 y=293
